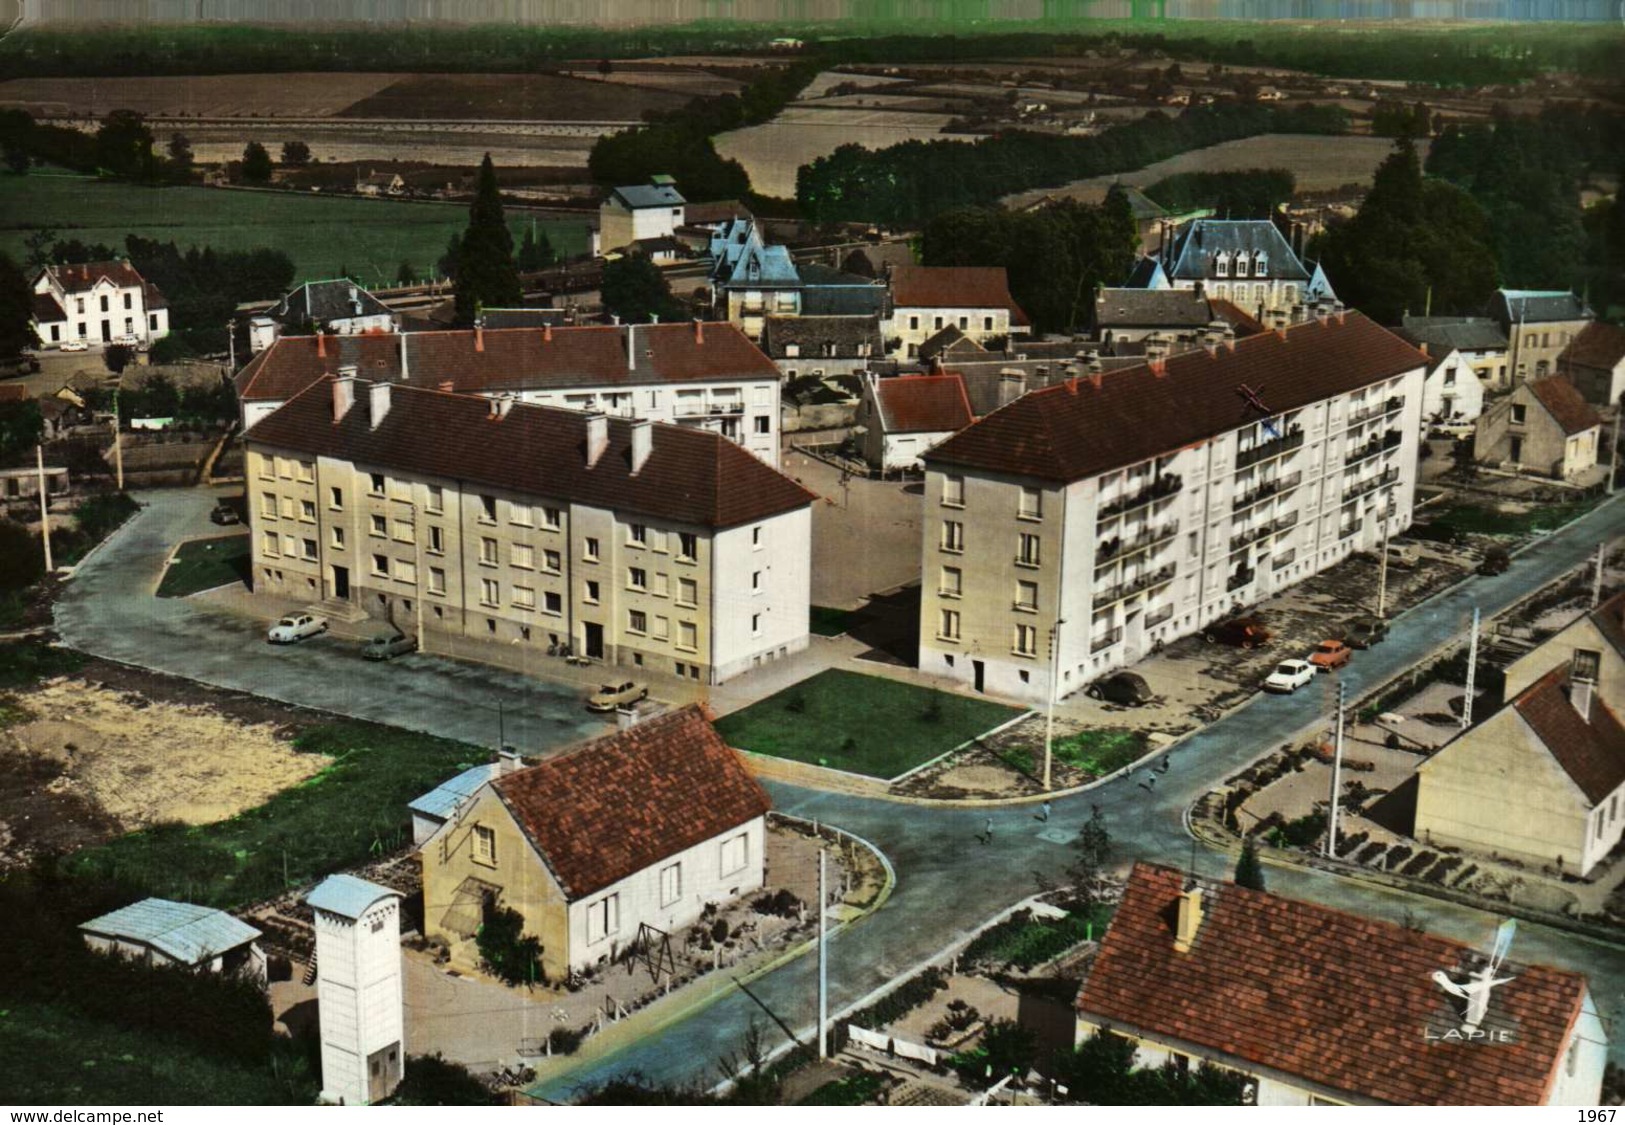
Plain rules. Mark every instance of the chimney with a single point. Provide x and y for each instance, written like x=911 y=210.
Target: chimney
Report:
x=343 y=396
x=1072 y=386
x=509 y=761
x=1095 y=379
x=501 y=406
x=349 y=371
x=1159 y=367
x=654 y=318
x=699 y=331
x=479 y=336
x=597 y=437
x=547 y=333
x=1012 y=385
x=1422 y=347
x=643 y=440
x=631 y=348
x=447 y=385
x=377 y=403
x=321 y=345
x=1190 y=919
x=615 y=319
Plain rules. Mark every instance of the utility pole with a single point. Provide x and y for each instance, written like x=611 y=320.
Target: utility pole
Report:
x=1054 y=687
x=823 y=960
x=1472 y=672
x=1337 y=776
x=1382 y=571
x=118 y=444
x=44 y=508
x=1596 y=576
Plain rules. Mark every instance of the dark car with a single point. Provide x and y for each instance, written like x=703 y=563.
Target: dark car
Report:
x=1241 y=632
x=388 y=645
x=1363 y=632
x=225 y=514
x=1496 y=561
x=1126 y=688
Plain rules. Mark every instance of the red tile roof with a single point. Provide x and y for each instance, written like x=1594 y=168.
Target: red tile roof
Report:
x=1609 y=618
x=1591 y=750
x=923 y=404
x=1242 y=321
x=514 y=358
x=1085 y=426
x=622 y=803
x=1344 y=1001
x=692 y=476
x=82 y=278
x=954 y=287
x=1597 y=345
x=1565 y=404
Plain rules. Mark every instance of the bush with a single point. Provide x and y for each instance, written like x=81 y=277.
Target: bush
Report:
x=1006 y=1048
x=901 y=1000
x=514 y=956
x=781 y=904
x=432 y=1080
x=170 y=349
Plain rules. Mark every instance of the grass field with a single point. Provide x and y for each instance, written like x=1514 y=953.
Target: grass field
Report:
x=1095 y=752
x=203 y=564
x=861 y=724
x=1471 y=519
x=323 y=235
x=345 y=814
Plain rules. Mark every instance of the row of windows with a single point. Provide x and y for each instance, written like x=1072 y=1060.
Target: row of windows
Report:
x=938 y=323
x=128 y=303
x=1222 y=262
x=1029 y=547
x=1023 y=639
x=1029 y=502
x=604 y=916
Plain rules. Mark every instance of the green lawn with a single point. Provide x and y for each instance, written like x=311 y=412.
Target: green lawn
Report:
x=829 y=622
x=203 y=564
x=1023 y=941
x=862 y=724
x=323 y=234
x=24 y=663
x=1474 y=520
x=353 y=809
x=1097 y=752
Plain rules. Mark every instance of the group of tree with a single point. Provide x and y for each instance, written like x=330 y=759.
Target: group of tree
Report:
x=1250 y=193
x=1102 y=1071
x=1416 y=244
x=1055 y=257
x=635 y=290
x=483 y=267
x=908 y=183
x=1391 y=118
x=16 y=310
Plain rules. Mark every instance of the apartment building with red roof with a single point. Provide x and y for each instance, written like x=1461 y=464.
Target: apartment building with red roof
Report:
x=99 y=303
x=646 y=826
x=1070 y=531
x=1320 y=1007
x=635 y=543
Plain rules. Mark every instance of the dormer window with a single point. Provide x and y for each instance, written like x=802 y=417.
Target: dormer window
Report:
x=792 y=350
x=1221 y=265
x=1261 y=265
x=1241 y=264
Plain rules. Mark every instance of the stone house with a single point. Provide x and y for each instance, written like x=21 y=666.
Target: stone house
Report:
x=1594 y=362
x=903 y=417
x=1542 y=427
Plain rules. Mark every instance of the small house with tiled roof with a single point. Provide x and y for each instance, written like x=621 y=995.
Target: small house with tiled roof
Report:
x=1594 y=362
x=1544 y=427
x=974 y=299
x=644 y=827
x=1479 y=340
x=638 y=211
x=99 y=303
x=1594 y=642
x=904 y=416
x=822 y=345
x=1541 y=780
x=1539 y=324
x=337 y=305
x=1320 y=1007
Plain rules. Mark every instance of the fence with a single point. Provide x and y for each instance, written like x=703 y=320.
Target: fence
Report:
x=891 y=1045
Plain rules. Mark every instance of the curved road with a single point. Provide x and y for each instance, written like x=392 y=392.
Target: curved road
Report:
x=947 y=881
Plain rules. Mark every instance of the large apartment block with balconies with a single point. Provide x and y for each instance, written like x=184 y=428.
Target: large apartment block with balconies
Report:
x=497 y=523
x=1070 y=532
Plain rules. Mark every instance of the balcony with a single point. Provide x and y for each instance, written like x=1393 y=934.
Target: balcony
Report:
x=1158 y=616
x=1378 y=444
x=1105 y=640
x=1376 y=409
x=1275 y=447
x=1371 y=484
x=1263 y=530
x=1284 y=559
x=1239 y=579
x=1121 y=590
x=1266 y=489
x=1350 y=528
x=1113 y=549
x=1160 y=488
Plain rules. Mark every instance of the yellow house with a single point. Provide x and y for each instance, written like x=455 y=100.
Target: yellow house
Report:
x=641 y=828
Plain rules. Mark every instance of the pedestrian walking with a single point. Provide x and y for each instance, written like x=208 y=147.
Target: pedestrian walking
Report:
x=1150 y=779
x=1043 y=811
x=1165 y=763
x=987 y=833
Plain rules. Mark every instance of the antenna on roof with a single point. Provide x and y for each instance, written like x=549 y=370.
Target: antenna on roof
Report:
x=1252 y=398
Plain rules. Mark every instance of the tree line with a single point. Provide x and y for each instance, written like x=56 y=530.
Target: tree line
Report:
x=906 y=184
x=1251 y=193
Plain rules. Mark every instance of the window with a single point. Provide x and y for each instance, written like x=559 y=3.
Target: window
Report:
x=437 y=542
x=671 y=884
x=1586 y=665
x=987 y=324
x=306 y=470
x=406 y=571
x=604 y=918
x=1027 y=595
x=380 y=565
x=756 y=582
x=948 y=627
x=520 y=515
x=551 y=561
x=755 y=624
x=553 y=602
x=524 y=597
x=688 y=635
x=688 y=546
x=953 y=582
x=1032 y=504
x=589 y=549
x=104 y=302
x=338 y=538
x=964 y=323
x=268 y=544
x=1027 y=550
x=335 y=498
x=735 y=853
x=639 y=534
x=436 y=501
x=953 y=535
x=437 y=580
x=375 y=483
x=551 y=517
x=290 y=545
x=913 y=323
x=1026 y=640
x=490 y=592
x=590 y=591
x=637 y=578
x=488 y=509
x=523 y=556
x=688 y=592
x=756 y=538
x=764 y=424
x=485 y=845
x=662 y=628
x=488 y=552
x=268 y=505
x=936 y=323
x=1221 y=266
x=379 y=525
x=953 y=491
x=1519 y=413
x=404 y=532
x=637 y=621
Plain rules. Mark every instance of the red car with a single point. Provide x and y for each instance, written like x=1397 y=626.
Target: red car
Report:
x=1329 y=655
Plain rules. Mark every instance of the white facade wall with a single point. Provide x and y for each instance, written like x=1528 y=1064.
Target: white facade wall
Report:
x=761 y=592
x=915 y=325
x=903 y=451
x=359 y=997
x=1580 y=1074
x=356 y=325
x=641 y=898
x=104 y=314
x=1250 y=293
x=620 y=227
x=1452 y=391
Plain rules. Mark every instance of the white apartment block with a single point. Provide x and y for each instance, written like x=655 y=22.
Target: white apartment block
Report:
x=100 y=303
x=1068 y=533
x=633 y=542
x=707 y=376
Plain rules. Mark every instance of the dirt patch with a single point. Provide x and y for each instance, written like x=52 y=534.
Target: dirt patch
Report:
x=513 y=97
x=195 y=95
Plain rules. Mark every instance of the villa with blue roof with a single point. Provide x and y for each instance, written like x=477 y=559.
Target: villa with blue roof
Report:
x=640 y=212
x=1247 y=261
x=160 y=932
x=752 y=281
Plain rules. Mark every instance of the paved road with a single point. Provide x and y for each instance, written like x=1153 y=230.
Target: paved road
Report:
x=108 y=610
x=947 y=880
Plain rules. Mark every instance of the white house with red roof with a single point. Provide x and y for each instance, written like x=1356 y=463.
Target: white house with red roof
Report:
x=1319 y=1007
x=904 y=416
x=926 y=299
x=100 y=303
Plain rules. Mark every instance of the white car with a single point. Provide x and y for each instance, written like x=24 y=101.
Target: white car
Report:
x=1289 y=676
x=75 y=345
x=622 y=694
x=296 y=627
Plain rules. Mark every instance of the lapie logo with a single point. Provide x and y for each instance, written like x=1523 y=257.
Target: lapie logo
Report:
x=1474 y=992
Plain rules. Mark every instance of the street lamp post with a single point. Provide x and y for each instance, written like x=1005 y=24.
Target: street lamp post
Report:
x=1054 y=687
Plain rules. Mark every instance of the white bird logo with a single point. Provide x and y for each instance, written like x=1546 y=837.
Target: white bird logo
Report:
x=1477 y=987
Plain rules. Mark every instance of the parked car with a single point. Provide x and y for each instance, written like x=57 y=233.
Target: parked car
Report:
x=296 y=627
x=610 y=696
x=1243 y=632
x=1289 y=676
x=387 y=646
x=1403 y=556
x=224 y=514
x=1496 y=561
x=1126 y=688
x=75 y=345
x=1363 y=632
x=1331 y=655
